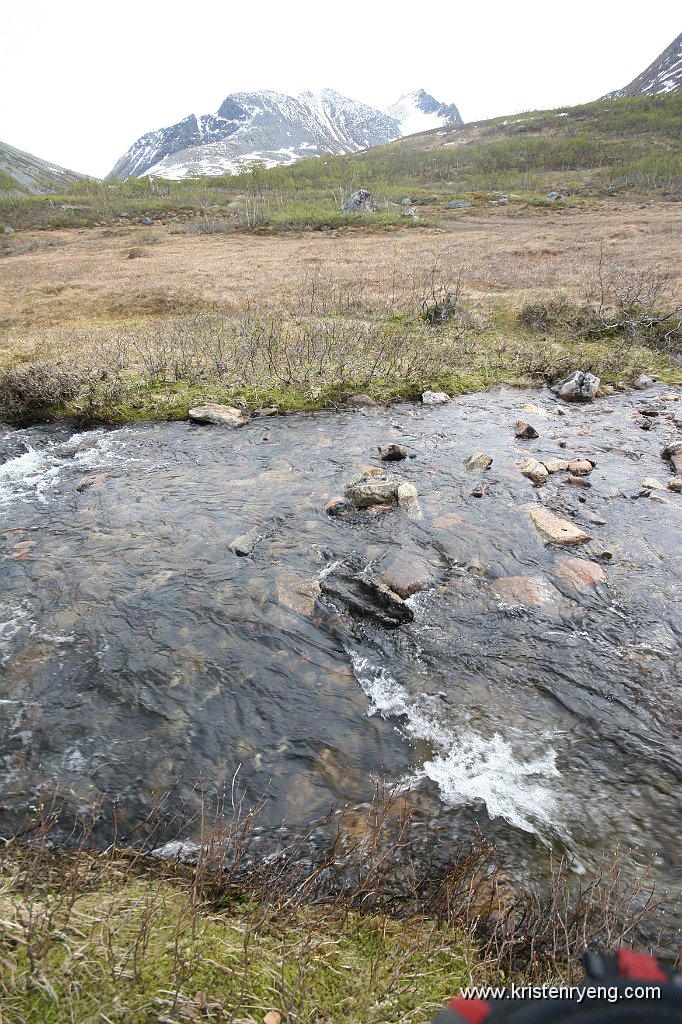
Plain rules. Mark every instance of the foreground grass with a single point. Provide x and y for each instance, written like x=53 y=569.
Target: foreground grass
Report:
x=138 y=947
x=303 y=361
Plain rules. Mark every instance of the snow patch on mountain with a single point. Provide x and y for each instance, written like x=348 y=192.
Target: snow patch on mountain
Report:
x=664 y=75
x=419 y=112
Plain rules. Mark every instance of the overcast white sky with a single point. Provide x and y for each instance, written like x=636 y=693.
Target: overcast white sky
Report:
x=83 y=79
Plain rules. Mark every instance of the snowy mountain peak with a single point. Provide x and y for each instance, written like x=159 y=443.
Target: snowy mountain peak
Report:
x=418 y=112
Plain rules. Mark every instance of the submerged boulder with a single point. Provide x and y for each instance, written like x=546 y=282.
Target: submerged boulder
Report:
x=367 y=598
x=579 y=387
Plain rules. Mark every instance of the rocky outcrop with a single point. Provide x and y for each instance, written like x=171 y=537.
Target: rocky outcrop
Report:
x=579 y=387
x=361 y=201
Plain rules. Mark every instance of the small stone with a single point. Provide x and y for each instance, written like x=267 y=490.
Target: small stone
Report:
x=555 y=465
x=96 y=482
x=675 y=484
x=643 y=382
x=561 y=411
x=223 y=415
x=652 y=484
x=554 y=529
x=146 y=220
x=8 y=230
x=371 y=470
x=562 y=442
x=392 y=452
x=478 y=491
x=535 y=471
x=375 y=492
x=338 y=507
x=435 y=398
x=244 y=545
x=580 y=467
x=408 y=499
x=272 y=1017
x=269 y=410
x=478 y=462
x=524 y=591
x=406 y=575
x=359 y=402
x=577 y=481
x=673 y=452
x=524 y=430
x=458 y=204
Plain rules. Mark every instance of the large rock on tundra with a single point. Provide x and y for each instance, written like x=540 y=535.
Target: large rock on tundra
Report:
x=579 y=387
x=361 y=201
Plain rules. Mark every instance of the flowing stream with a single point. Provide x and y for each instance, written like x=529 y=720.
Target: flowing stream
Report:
x=138 y=653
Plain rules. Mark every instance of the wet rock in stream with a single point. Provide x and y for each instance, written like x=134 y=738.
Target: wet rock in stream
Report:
x=367 y=597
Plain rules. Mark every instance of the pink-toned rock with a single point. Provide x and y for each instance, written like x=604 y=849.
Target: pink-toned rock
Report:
x=527 y=591
x=553 y=529
x=555 y=465
x=579 y=576
x=406 y=575
x=580 y=467
x=534 y=470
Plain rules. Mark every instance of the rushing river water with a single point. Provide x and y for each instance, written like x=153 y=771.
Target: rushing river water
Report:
x=139 y=653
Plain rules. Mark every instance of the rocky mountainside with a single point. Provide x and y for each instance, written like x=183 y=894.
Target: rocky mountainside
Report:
x=272 y=128
x=419 y=112
x=23 y=173
x=664 y=75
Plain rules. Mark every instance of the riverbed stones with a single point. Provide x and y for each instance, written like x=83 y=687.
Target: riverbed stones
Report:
x=367 y=597
x=580 y=386
x=406 y=573
x=245 y=544
x=643 y=382
x=580 y=467
x=392 y=452
x=222 y=415
x=579 y=577
x=577 y=481
x=365 y=493
x=536 y=472
x=408 y=499
x=435 y=398
x=93 y=482
x=298 y=595
x=556 y=465
x=675 y=484
x=478 y=462
x=523 y=591
x=673 y=453
x=652 y=484
x=338 y=507
x=554 y=529
x=525 y=430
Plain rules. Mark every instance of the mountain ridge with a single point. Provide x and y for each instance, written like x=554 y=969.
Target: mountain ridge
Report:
x=272 y=128
x=661 y=76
